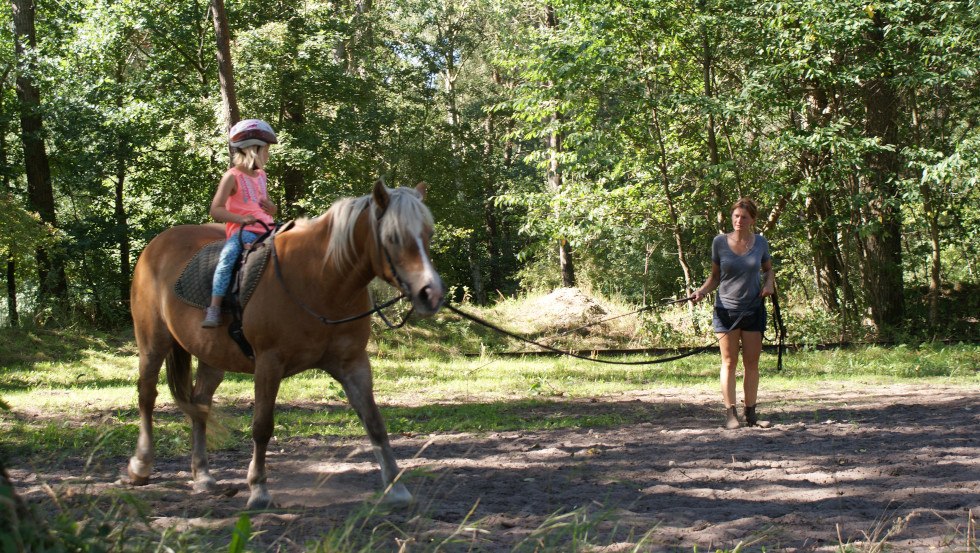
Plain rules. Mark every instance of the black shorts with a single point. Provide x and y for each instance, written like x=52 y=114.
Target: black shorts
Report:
x=754 y=320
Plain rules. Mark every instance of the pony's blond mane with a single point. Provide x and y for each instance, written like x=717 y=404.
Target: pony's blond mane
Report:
x=404 y=219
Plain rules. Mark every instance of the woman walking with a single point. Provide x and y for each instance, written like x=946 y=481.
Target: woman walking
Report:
x=741 y=270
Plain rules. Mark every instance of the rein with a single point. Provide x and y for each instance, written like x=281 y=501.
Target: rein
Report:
x=482 y=322
x=780 y=329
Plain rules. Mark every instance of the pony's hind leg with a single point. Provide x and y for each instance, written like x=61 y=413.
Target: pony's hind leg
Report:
x=141 y=463
x=358 y=386
x=208 y=380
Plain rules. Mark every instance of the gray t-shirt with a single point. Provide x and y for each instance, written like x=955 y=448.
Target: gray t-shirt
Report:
x=741 y=275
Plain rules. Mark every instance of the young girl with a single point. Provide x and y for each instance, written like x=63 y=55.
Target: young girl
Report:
x=242 y=203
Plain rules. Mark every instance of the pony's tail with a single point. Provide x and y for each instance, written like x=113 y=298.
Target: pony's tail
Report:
x=181 y=382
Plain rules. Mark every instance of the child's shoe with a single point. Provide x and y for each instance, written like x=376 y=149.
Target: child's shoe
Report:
x=212 y=317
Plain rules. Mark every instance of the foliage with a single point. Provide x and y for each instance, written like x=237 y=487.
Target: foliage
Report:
x=666 y=113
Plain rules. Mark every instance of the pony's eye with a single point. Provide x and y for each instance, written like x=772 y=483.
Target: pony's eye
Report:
x=395 y=240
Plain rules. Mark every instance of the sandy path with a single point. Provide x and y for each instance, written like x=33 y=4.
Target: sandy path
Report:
x=845 y=462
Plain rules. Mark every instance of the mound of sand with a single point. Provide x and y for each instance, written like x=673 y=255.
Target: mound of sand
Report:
x=563 y=307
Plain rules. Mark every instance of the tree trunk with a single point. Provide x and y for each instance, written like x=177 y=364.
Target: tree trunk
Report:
x=776 y=212
x=12 y=315
x=293 y=118
x=13 y=318
x=672 y=213
x=476 y=272
x=714 y=159
x=822 y=235
x=362 y=39
x=671 y=208
x=565 y=261
x=554 y=185
x=931 y=212
x=121 y=219
x=53 y=284
x=122 y=224
x=555 y=178
x=935 y=280
x=226 y=74
x=882 y=213
x=495 y=277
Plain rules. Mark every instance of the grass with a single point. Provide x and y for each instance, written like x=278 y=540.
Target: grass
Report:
x=71 y=394
x=46 y=375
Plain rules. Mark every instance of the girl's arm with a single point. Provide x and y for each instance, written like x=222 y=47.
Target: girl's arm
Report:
x=713 y=280
x=269 y=207
x=226 y=187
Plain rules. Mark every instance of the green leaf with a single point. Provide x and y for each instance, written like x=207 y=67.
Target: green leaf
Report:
x=241 y=534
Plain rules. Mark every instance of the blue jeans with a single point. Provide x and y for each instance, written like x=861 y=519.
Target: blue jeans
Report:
x=229 y=254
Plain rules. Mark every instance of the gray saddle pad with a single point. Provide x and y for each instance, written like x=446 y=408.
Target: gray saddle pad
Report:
x=194 y=284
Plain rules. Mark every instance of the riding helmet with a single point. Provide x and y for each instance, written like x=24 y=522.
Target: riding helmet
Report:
x=251 y=132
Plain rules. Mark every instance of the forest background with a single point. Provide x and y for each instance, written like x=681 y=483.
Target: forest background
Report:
x=569 y=142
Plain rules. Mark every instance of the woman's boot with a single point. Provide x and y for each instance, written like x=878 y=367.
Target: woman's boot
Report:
x=731 y=418
x=750 y=417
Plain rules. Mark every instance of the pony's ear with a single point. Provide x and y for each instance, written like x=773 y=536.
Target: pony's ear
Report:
x=422 y=188
x=381 y=197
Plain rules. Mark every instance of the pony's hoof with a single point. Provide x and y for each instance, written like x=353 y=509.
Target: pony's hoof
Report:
x=205 y=484
x=259 y=502
x=397 y=496
x=137 y=473
x=130 y=479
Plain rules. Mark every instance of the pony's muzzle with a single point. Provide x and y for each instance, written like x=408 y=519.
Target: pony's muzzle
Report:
x=430 y=298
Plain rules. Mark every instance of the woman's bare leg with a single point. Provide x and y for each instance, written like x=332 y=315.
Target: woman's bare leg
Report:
x=729 y=344
x=751 y=351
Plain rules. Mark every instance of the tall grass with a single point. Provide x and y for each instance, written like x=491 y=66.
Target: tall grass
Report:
x=72 y=395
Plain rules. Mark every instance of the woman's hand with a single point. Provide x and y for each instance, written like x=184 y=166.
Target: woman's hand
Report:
x=697 y=296
x=247 y=220
x=768 y=280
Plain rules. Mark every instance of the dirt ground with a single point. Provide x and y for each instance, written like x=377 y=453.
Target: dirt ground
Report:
x=844 y=464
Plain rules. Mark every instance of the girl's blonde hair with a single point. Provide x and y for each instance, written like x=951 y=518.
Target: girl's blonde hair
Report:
x=247 y=157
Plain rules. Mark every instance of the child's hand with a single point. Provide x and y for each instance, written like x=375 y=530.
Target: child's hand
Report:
x=268 y=206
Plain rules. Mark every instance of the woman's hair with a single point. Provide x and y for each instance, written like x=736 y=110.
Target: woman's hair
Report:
x=247 y=157
x=748 y=205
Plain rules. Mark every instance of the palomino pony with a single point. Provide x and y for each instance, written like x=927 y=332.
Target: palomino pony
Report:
x=325 y=264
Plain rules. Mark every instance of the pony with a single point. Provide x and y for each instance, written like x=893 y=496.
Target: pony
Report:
x=324 y=267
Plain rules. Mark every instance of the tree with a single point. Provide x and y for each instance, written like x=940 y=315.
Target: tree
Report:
x=53 y=283
x=882 y=215
x=226 y=74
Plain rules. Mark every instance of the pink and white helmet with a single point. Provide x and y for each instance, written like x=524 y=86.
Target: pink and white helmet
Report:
x=251 y=132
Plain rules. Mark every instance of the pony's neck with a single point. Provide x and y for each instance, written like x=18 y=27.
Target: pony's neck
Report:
x=359 y=274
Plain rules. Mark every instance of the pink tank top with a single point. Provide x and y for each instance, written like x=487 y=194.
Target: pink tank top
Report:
x=245 y=201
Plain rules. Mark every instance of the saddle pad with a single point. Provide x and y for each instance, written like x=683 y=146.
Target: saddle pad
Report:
x=194 y=284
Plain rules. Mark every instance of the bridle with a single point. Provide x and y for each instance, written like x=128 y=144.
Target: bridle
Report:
x=376 y=308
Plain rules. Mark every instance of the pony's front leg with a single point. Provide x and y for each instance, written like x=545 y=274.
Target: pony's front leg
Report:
x=358 y=386
x=267 y=379
x=208 y=380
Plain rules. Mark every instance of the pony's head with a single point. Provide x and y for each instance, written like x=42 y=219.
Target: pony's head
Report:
x=401 y=227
